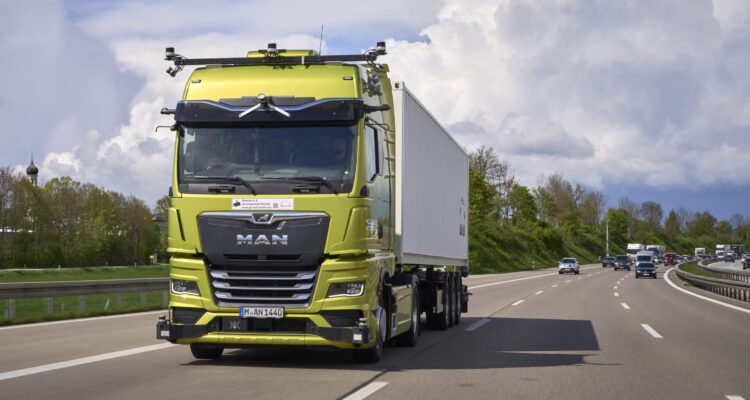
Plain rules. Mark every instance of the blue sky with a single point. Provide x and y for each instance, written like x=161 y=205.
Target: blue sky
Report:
x=644 y=99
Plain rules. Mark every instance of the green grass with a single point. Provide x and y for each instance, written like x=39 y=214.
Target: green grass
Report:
x=84 y=274
x=67 y=307
x=693 y=268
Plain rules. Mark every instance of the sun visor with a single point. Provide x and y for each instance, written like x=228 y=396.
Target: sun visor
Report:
x=324 y=110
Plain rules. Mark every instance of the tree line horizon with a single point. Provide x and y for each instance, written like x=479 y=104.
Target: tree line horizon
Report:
x=67 y=223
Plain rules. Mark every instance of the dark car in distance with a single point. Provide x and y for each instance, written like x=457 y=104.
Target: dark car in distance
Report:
x=645 y=269
x=608 y=262
x=728 y=257
x=622 y=261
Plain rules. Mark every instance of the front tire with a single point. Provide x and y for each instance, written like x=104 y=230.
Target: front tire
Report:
x=409 y=338
x=203 y=352
x=373 y=354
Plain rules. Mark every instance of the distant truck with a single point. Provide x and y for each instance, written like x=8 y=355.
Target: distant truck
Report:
x=670 y=258
x=738 y=250
x=658 y=251
x=633 y=249
x=313 y=203
x=722 y=249
x=700 y=252
x=645 y=256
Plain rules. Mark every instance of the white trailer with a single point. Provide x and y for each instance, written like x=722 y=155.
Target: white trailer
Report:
x=633 y=249
x=431 y=220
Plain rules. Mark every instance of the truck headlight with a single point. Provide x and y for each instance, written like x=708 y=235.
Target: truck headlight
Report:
x=349 y=289
x=185 y=287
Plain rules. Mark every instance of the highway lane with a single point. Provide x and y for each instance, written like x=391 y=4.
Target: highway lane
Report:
x=527 y=335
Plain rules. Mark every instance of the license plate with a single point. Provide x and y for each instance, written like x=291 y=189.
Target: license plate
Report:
x=262 y=312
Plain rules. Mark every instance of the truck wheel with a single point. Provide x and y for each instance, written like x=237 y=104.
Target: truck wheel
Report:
x=451 y=309
x=440 y=321
x=409 y=338
x=204 y=352
x=372 y=355
x=457 y=302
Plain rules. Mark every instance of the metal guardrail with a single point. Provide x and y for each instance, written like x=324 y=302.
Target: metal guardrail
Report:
x=26 y=290
x=731 y=288
x=742 y=276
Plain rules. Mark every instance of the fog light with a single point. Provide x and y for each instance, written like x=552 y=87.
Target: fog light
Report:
x=185 y=287
x=349 y=289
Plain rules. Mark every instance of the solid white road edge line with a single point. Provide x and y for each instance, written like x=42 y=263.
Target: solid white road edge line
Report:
x=477 y=324
x=519 y=279
x=81 y=361
x=651 y=330
x=67 y=321
x=669 y=281
x=517 y=303
x=366 y=391
x=625 y=306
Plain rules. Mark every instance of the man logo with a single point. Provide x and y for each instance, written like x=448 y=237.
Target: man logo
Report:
x=262 y=218
x=234 y=325
x=262 y=239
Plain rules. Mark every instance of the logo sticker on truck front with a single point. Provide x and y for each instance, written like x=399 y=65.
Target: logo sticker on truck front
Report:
x=262 y=204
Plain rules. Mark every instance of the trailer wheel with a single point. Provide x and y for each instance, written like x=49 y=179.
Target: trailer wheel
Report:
x=451 y=309
x=440 y=321
x=204 y=352
x=458 y=288
x=409 y=338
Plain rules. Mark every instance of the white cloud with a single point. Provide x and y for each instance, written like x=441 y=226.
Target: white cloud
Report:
x=617 y=92
x=606 y=93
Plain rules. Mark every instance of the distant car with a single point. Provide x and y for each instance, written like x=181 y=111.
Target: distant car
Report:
x=745 y=263
x=660 y=260
x=622 y=262
x=568 y=264
x=728 y=257
x=670 y=258
x=608 y=262
x=645 y=269
x=689 y=258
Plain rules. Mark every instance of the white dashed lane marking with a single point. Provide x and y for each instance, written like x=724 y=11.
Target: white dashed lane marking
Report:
x=651 y=330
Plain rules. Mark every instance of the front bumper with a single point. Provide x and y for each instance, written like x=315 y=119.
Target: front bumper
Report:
x=646 y=272
x=239 y=332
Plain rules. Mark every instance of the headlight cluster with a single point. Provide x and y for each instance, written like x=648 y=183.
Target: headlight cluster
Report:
x=348 y=289
x=180 y=286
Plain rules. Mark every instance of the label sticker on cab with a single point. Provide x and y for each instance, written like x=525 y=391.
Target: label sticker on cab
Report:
x=262 y=204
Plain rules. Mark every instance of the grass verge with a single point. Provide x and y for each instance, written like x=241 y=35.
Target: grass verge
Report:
x=84 y=274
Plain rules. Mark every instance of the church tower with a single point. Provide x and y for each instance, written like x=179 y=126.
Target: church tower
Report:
x=32 y=172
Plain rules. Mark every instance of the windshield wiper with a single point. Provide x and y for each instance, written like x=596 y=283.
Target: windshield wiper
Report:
x=228 y=179
x=306 y=179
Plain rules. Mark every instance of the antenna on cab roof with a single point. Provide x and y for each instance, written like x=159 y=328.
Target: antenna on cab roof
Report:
x=272 y=55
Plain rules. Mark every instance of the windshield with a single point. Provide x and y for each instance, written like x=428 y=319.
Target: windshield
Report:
x=644 y=258
x=633 y=251
x=273 y=159
x=622 y=258
x=568 y=260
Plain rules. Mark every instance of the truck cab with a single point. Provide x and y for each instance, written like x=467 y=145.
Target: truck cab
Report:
x=283 y=225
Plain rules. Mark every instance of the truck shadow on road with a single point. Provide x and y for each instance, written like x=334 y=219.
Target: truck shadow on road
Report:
x=499 y=343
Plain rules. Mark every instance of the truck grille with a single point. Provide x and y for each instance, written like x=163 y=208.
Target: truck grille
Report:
x=291 y=287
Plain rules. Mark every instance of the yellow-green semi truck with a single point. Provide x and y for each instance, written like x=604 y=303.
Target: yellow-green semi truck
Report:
x=313 y=203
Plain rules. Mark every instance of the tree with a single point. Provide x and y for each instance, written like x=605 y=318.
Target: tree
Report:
x=652 y=213
x=672 y=227
x=631 y=210
x=521 y=204
x=701 y=224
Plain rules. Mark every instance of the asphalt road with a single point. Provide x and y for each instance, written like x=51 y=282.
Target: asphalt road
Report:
x=528 y=335
x=735 y=266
